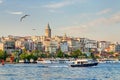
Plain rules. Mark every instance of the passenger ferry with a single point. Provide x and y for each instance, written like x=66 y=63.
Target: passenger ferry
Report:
x=84 y=63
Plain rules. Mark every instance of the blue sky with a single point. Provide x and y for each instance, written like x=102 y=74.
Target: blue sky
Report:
x=93 y=19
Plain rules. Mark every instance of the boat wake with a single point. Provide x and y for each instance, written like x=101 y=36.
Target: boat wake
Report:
x=59 y=66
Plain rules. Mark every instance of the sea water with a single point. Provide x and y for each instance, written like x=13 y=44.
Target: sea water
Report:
x=59 y=72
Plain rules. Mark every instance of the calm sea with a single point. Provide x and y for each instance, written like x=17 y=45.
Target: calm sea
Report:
x=59 y=72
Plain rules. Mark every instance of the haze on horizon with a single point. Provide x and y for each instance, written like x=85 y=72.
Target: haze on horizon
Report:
x=93 y=19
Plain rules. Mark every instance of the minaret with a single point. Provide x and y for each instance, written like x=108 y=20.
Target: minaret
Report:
x=48 y=31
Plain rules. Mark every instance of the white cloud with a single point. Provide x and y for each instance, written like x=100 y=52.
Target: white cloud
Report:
x=53 y=6
x=71 y=30
x=1 y=1
x=85 y=15
x=16 y=13
x=104 y=11
x=114 y=19
x=57 y=5
x=84 y=28
x=55 y=11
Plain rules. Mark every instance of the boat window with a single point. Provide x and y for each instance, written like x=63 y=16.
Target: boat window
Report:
x=81 y=62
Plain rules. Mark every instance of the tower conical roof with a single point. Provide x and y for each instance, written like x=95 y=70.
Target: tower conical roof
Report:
x=48 y=26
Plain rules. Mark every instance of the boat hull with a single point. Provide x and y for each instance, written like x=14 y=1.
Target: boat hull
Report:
x=84 y=65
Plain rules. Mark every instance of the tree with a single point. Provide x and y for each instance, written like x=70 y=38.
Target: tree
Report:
x=15 y=54
x=111 y=52
x=23 y=56
x=3 y=55
x=76 y=53
x=60 y=54
x=24 y=50
x=83 y=55
x=32 y=56
x=28 y=56
x=92 y=56
x=66 y=56
x=38 y=53
x=43 y=55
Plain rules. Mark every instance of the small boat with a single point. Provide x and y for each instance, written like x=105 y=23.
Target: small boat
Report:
x=27 y=62
x=2 y=62
x=110 y=61
x=43 y=61
x=84 y=63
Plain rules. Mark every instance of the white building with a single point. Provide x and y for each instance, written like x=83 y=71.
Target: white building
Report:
x=73 y=44
x=53 y=47
x=29 y=45
x=102 y=45
x=39 y=46
x=117 y=48
x=64 y=46
x=87 y=45
x=19 y=44
x=91 y=44
x=9 y=46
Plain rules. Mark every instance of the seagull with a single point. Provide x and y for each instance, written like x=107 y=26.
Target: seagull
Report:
x=23 y=17
x=33 y=29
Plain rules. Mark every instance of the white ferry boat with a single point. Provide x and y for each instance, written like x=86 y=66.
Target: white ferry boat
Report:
x=84 y=63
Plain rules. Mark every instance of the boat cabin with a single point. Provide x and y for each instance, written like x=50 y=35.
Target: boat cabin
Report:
x=82 y=61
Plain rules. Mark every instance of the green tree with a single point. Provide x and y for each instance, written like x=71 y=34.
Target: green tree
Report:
x=76 y=53
x=111 y=52
x=60 y=54
x=3 y=55
x=15 y=54
x=43 y=55
x=23 y=56
x=32 y=56
x=83 y=55
x=24 y=50
x=66 y=56
x=93 y=56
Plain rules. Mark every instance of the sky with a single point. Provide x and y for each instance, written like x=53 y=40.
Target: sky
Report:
x=93 y=19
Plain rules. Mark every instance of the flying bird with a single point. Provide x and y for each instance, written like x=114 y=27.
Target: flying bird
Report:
x=33 y=29
x=23 y=17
